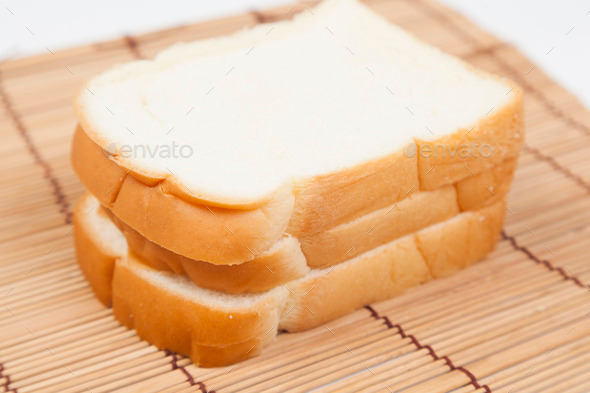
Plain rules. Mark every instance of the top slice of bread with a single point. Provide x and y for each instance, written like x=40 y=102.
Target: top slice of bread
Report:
x=233 y=121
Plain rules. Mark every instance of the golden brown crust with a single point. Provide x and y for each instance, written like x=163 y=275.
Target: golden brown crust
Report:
x=158 y=310
x=100 y=175
x=211 y=234
x=503 y=130
x=348 y=240
x=169 y=323
x=324 y=201
x=457 y=243
x=96 y=262
x=363 y=280
x=202 y=355
x=284 y=262
x=416 y=212
x=216 y=235
x=388 y=270
x=486 y=187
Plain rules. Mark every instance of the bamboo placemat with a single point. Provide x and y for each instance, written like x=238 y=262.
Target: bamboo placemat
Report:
x=517 y=322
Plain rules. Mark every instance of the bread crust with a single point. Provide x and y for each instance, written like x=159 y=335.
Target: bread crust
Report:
x=486 y=187
x=96 y=262
x=100 y=175
x=210 y=337
x=457 y=243
x=211 y=234
x=282 y=263
x=388 y=270
x=368 y=278
x=503 y=130
x=134 y=282
x=348 y=240
x=322 y=202
x=419 y=210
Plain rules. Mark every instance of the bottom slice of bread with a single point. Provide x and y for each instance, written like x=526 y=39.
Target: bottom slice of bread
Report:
x=216 y=328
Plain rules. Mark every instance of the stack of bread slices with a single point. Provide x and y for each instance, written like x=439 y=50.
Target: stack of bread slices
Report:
x=284 y=176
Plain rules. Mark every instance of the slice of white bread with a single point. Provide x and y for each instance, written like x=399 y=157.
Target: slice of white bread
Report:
x=303 y=130
x=285 y=262
x=216 y=329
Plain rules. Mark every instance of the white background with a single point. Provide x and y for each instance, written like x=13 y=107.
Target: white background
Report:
x=554 y=34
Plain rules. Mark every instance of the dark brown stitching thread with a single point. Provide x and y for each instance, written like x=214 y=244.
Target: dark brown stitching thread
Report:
x=429 y=348
x=543 y=262
x=203 y=388
x=190 y=379
x=6 y=384
x=414 y=340
x=485 y=50
x=269 y=18
x=557 y=166
x=507 y=67
x=60 y=197
x=259 y=16
x=133 y=46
